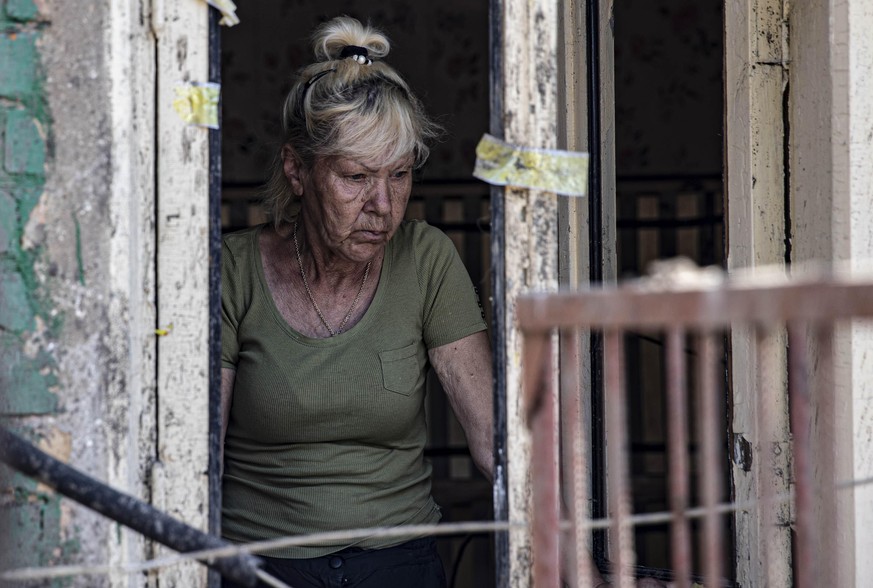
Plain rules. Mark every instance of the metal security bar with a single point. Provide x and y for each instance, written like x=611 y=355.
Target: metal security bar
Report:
x=127 y=510
x=660 y=217
x=699 y=307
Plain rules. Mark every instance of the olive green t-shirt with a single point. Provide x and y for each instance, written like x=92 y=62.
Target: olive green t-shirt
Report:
x=329 y=434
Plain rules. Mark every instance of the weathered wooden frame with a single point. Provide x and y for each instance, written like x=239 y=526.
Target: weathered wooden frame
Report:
x=180 y=476
x=543 y=72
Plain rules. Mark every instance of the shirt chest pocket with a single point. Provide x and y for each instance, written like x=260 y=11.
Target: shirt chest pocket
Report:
x=400 y=370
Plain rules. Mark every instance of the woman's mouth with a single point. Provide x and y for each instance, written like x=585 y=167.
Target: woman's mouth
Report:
x=372 y=235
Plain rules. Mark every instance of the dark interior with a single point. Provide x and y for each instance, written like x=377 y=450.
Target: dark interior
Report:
x=669 y=105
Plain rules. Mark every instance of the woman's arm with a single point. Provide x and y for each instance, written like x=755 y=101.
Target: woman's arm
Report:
x=464 y=370
x=227 y=378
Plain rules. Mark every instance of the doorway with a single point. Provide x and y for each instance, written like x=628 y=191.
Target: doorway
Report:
x=442 y=51
x=669 y=105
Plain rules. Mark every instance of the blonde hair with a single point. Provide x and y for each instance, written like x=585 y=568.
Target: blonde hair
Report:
x=341 y=107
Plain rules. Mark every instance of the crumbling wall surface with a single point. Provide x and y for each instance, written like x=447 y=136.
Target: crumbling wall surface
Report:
x=831 y=211
x=73 y=351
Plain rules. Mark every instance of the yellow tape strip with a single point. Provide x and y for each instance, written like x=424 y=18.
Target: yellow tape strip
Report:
x=228 y=11
x=502 y=164
x=197 y=104
x=165 y=331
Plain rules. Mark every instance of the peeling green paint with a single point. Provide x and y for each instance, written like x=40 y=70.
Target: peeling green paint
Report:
x=26 y=193
x=18 y=76
x=27 y=381
x=21 y=10
x=8 y=222
x=16 y=313
x=34 y=525
x=30 y=514
x=25 y=145
x=25 y=125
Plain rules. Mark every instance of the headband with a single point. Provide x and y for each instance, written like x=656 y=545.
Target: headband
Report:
x=359 y=54
x=311 y=81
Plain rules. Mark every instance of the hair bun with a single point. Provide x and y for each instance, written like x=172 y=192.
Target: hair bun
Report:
x=332 y=37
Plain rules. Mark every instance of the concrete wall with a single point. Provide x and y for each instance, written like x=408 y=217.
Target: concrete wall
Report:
x=29 y=375
x=800 y=131
x=831 y=211
x=76 y=319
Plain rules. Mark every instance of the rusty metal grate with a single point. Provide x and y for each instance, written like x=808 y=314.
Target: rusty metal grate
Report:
x=807 y=310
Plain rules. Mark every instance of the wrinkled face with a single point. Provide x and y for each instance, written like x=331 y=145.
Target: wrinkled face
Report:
x=355 y=205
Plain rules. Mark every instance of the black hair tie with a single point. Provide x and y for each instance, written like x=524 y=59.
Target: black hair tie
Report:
x=359 y=54
x=350 y=50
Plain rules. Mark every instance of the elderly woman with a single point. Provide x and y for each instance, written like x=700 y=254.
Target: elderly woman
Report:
x=331 y=316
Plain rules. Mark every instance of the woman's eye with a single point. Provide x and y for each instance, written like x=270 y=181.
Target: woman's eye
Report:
x=401 y=174
x=357 y=177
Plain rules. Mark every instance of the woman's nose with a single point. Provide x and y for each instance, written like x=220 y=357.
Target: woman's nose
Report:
x=379 y=198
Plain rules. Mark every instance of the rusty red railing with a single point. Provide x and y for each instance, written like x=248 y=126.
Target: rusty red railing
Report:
x=806 y=308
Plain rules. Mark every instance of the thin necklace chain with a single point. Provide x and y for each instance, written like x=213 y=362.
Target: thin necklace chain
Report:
x=342 y=325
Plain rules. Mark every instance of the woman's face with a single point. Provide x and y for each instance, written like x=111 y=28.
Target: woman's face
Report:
x=355 y=205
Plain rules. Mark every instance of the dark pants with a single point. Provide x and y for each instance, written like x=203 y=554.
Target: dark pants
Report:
x=415 y=564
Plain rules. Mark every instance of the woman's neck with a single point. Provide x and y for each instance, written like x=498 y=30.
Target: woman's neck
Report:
x=323 y=266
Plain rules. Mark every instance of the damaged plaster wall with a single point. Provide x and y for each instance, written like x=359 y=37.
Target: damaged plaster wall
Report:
x=800 y=123
x=831 y=160
x=76 y=291
x=755 y=79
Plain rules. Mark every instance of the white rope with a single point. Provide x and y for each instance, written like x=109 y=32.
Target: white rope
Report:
x=21 y=574
x=26 y=574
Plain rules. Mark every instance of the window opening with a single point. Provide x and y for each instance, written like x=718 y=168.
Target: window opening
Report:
x=670 y=202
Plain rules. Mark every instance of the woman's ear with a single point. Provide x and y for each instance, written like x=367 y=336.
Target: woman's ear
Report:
x=293 y=168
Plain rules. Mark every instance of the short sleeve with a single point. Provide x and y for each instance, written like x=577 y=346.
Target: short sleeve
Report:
x=230 y=312
x=450 y=305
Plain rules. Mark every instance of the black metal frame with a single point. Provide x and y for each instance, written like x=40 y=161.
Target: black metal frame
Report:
x=498 y=290
x=595 y=271
x=214 y=580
